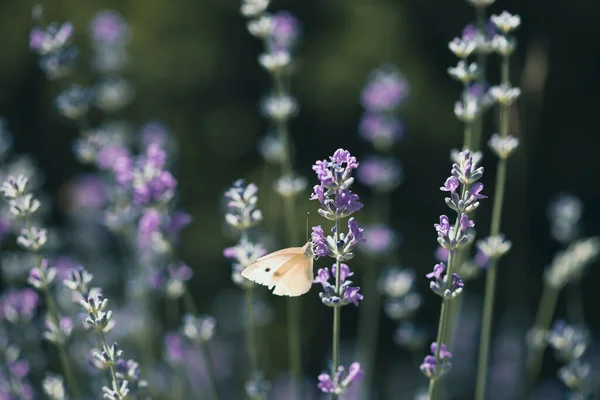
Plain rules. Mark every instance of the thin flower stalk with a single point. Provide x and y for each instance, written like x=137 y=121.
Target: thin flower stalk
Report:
x=242 y=215
x=279 y=33
x=494 y=246
x=337 y=202
x=464 y=193
x=23 y=205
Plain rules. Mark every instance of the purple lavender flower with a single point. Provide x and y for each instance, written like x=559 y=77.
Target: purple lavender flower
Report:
x=386 y=90
x=18 y=305
x=346 y=295
x=175 y=349
x=437 y=365
x=379 y=240
x=381 y=130
x=381 y=174
x=151 y=183
x=54 y=38
x=108 y=28
x=340 y=382
x=178 y=275
x=285 y=31
x=441 y=285
x=88 y=192
x=335 y=175
x=319 y=241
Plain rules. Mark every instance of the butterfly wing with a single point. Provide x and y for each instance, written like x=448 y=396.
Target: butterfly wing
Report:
x=263 y=271
x=290 y=271
x=298 y=278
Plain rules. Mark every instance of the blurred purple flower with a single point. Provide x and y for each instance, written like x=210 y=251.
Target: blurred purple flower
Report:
x=382 y=174
x=109 y=28
x=382 y=130
x=379 y=239
x=18 y=305
x=284 y=32
x=385 y=90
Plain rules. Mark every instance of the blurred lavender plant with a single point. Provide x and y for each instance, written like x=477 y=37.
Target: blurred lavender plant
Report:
x=280 y=33
x=337 y=202
x=465 y=193
x=384 y=93
x=23 y=205
x=570 y=344
x=124 y=375
x=566 y=267
x=242 y=215
x=503 y=145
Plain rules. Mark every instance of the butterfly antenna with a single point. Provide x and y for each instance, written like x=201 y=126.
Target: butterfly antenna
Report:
x=307 y=214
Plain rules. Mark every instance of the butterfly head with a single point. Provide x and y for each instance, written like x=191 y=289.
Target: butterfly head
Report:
x=308 y=249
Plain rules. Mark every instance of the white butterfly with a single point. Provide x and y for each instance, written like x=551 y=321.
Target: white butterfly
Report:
x=289 y=270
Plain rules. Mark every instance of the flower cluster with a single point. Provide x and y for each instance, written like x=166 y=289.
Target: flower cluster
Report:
x=339 y=382
x=385 y=92
x=337 y=202
x=335 y=175
x=397 y=285
x=569 y=265
x=242 y=212
x=564 y=213
x=14 y=381
x=345 y=295
x=465 y=193
x=570 y=343
x=53 y=44
x=437 y=364
x=125 y=377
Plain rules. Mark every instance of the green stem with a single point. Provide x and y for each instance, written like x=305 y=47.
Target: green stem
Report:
x=113 y=371
x=490 y=281
x=335 y=341
x=442 y=326
x=542 y=323
x=250 y=333
x=210 y=368
x=62 y=354
x=188 y=302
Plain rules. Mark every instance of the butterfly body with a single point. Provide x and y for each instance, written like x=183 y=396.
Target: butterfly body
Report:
x=289 y=271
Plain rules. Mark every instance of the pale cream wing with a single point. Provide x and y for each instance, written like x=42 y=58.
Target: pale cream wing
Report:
x=263 y=270
x=289 y=250
x=298 y=278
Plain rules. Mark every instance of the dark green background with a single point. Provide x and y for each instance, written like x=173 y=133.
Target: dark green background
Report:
x=194 y=67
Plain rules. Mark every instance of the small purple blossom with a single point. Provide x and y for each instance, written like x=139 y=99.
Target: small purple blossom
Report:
x=18 y=305
x=382 y=174
x=382 y=130
x=450 y=185
x=440 y=284
x=318 y=240
x=285 y=31
x=108 y=28
x=355 y=233
x=347 y=294
x=436 y=365
x=379 y=240
x=386 y=90
x=54 y=38
x=175 y=349
x=340 y=382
